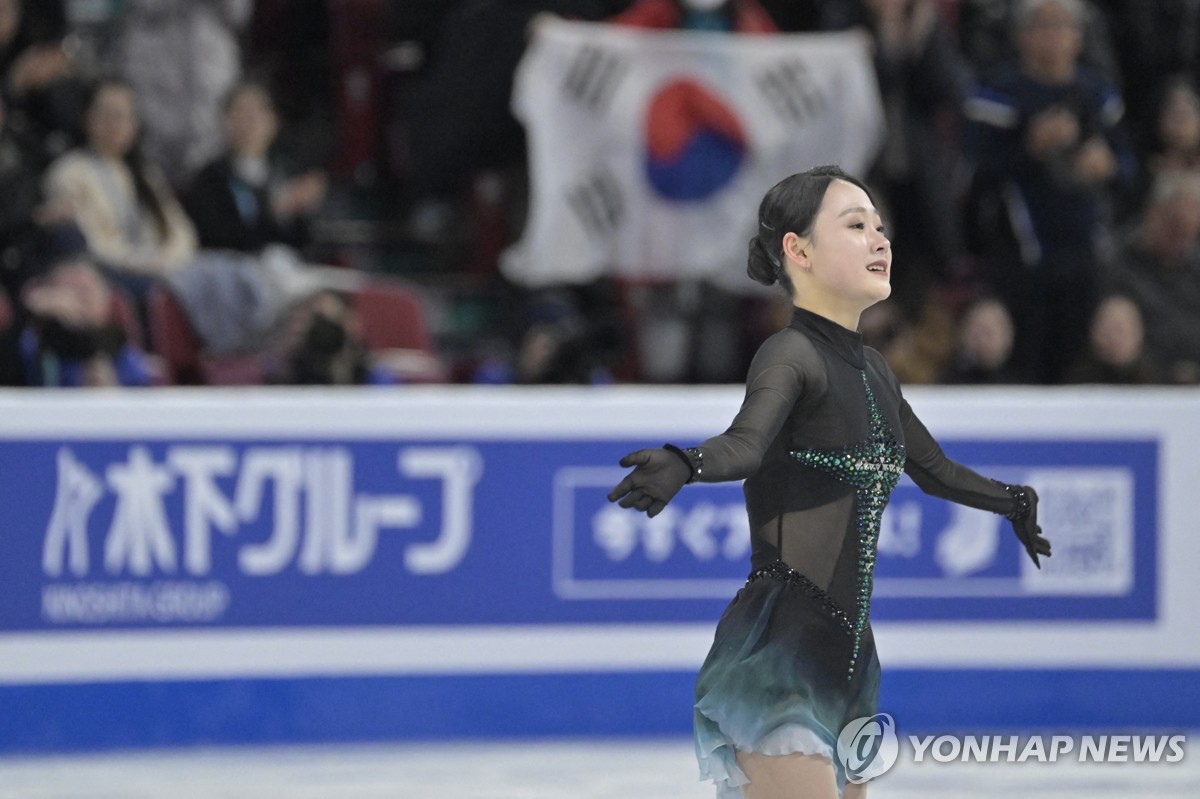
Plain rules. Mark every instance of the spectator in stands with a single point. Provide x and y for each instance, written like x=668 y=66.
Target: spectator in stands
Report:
x=985 y=28
x=743 y=16
x=322 y=344
x=689 y=330
x=985 y=345
x=245 y=199
x=921 y=350
x=134 y=226
x=923 y=81
x=458 y=116
x=1051 y=154
x=1158 y=267
x=569 y=337
x=1174 y=144
x=1116 y=353
x=881 y=325
x=182 y=57
x=1153 y=40
x=290 y=44
x=43 y=95
x=20 y=178
x=73 y=336
x=1178 y=127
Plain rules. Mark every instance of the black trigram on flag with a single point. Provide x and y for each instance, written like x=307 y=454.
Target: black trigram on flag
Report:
x=791 y=91
x=593 y=76
x=597 y=202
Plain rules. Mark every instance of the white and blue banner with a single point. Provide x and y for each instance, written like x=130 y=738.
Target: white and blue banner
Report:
x=650 y=150
x=183 y=566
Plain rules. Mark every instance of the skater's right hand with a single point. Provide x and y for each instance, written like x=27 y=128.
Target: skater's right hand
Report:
x=657 y=477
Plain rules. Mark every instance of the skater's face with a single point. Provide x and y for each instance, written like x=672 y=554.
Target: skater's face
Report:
x=847 y=259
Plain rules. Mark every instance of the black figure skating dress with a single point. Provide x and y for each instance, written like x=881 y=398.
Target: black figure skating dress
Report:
x=821 y=440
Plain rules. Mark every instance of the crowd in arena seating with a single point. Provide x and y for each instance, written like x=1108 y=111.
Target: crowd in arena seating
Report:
x=318 y=191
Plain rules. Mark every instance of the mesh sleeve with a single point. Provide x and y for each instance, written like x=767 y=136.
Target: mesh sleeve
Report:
x=938 y=475
x=784 y=369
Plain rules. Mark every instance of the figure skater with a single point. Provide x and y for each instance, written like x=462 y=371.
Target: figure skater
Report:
x=820 y=440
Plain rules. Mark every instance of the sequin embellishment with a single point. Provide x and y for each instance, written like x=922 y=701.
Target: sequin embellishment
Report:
x=781 y=571
x=873 y=467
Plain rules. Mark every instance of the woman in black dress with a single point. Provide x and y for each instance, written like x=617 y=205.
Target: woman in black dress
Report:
x=821 y=439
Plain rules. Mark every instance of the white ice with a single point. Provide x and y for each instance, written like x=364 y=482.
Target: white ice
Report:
x=558 y=769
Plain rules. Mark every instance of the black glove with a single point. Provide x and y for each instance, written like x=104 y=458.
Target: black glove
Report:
x=1024 y=522
x=657 y=477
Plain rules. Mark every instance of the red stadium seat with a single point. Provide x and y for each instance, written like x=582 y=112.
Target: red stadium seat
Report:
x=391 y=317
x=394 y=327
x=174 y=340
x=124 y=313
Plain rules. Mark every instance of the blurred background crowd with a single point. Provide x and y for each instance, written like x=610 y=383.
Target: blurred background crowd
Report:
x=319 y=192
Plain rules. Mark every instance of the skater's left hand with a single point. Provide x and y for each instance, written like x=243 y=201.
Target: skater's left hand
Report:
x=1028 y=531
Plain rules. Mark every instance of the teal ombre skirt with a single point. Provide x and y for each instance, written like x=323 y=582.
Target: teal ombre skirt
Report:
x=777 y=680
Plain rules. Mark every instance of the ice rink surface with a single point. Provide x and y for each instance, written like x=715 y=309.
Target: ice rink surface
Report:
x=607 y=769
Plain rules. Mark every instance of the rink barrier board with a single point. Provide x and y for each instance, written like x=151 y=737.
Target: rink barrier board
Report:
x=277 y=566
x=62 y=718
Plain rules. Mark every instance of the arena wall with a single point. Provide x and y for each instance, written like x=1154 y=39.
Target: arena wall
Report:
x=208 y=567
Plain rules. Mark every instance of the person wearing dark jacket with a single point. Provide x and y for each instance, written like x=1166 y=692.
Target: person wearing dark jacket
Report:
x=244 y=200
x=1052 y=156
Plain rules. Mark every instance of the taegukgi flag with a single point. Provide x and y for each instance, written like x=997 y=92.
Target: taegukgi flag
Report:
x=650 y=150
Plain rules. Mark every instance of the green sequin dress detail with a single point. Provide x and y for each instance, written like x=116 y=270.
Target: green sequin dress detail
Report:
x=873 y=467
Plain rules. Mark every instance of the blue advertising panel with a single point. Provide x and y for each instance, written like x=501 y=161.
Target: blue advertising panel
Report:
x=119 y=533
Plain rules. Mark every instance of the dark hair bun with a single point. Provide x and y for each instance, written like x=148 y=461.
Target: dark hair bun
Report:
x=759 y=265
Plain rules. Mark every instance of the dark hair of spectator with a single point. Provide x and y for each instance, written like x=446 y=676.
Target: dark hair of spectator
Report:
x=790 y=206
x=1025 y=10
x=134 y=160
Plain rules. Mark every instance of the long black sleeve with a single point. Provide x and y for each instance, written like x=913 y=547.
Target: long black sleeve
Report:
x=785 y=368
x=939 y=476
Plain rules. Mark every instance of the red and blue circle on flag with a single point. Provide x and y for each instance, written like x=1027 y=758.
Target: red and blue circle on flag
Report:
x=694 y=141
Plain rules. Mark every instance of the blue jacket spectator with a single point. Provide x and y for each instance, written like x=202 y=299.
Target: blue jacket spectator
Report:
x=75 y=335
x=1051 y=153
